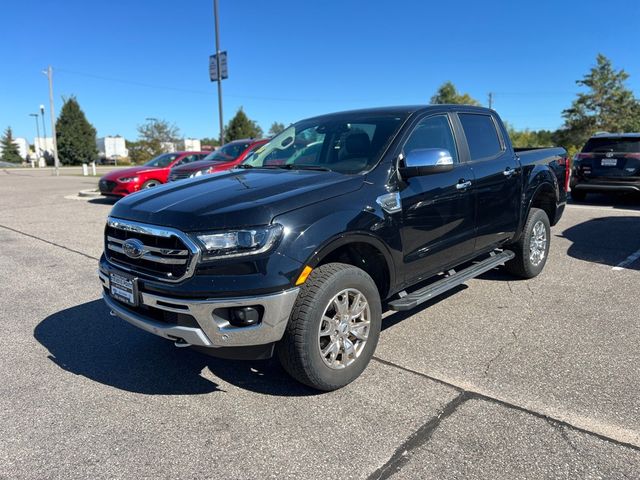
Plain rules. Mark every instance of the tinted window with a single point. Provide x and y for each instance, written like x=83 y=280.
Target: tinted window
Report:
x=481 y=134
x=609 y=144
x=162 y=161
x=345 y=143
x=432 y=132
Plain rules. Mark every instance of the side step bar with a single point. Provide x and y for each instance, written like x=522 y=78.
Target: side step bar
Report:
x=414 y=299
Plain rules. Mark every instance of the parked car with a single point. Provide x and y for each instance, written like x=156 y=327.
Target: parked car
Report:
x=608 y=163
x=297 y=258
x=226 y=157
x=121 y=182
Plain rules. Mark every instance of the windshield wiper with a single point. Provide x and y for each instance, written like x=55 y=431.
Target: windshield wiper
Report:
x=291 y=166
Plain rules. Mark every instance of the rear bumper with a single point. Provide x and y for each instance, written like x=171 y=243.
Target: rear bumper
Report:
x=213 y=330
x=606 y=187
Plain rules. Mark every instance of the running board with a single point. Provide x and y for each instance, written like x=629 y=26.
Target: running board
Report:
x=414 y=299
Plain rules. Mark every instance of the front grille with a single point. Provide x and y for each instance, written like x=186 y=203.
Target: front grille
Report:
x=162 y=254
x=106 y=186
x=179 y=176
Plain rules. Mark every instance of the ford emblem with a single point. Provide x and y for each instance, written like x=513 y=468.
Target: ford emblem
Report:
x=133 y=248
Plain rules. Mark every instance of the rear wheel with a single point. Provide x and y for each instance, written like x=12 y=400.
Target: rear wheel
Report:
x=533 y=247
x=334 y=327
x=578 y=196
x=151 y=184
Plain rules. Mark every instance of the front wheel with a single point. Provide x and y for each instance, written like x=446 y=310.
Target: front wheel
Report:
x=334 y=327
x=150 y=184
x=533 y=247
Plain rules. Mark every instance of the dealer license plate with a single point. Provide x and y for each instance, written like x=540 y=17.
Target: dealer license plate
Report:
x=124 y=288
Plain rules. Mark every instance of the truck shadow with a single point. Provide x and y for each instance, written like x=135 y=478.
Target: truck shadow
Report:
x=605 y=240
x=85 y=340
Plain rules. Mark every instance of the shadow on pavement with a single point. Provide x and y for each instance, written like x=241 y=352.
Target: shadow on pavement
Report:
x=85 y=340
x=627 y=201
x=104 y=200
x=396 y=317
x=605 y=240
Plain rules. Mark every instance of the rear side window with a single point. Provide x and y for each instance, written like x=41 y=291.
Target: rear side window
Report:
x=482 y=136
x=612 y=144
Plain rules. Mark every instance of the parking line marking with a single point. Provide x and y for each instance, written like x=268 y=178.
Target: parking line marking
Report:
x=628 y=261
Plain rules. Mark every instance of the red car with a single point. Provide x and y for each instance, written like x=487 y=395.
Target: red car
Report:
x=153 y=173
x=226 y=157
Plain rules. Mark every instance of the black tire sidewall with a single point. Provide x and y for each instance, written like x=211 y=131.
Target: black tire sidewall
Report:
x=348 y=278
x=535 y=216
x=146 y=184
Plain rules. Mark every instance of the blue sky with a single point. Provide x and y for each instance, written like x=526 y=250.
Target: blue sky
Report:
x=129 y=60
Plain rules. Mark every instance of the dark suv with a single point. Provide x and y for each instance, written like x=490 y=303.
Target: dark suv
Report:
x=608 y=163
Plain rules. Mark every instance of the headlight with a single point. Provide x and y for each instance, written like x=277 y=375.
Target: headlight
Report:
x=128 y=179
x=236 y=243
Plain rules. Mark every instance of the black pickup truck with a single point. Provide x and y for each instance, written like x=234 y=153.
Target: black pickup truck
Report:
x=299 y=249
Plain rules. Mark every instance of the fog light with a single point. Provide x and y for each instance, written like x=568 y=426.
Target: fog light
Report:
x=244 y=316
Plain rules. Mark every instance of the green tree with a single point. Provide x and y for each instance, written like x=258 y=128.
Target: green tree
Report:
x=447 y=93
x=241 y=126
x=607 y=105
x=10 y=150
x=212 y=142
x=276 y=128
x=530 y=138
x=152 y=139
x=75 y=136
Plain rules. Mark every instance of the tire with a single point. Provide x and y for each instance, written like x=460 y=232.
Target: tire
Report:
x=309 y=331
x=150 y=184
x=526 y=264
x=578 y=196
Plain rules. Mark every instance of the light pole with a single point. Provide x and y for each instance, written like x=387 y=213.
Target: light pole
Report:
x=49 y=73
x=215 y=14
x=35 y=116
x=44 y=127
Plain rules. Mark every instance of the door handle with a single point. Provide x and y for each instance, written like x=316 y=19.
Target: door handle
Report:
x=507 y=172
x=462 y=184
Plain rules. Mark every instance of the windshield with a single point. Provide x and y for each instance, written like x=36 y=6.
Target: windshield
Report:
x=228 y=152
x=337 y=143
x=163 y=160
x=612 y=144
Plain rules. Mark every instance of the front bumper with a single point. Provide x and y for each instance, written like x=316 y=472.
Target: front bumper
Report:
x=212 y=330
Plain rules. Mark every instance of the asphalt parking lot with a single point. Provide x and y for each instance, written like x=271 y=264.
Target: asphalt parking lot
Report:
x=500 y=379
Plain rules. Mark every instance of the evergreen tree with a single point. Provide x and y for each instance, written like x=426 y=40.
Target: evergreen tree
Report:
x=10 y=150
x=241 y=126
x=447 y=93
x=276 y=128
x=607 y=105
x=75 y=136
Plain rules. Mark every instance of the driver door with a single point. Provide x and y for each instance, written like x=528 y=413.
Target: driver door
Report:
x=438 y=209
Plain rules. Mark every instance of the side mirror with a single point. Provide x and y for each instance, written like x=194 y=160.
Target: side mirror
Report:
x=425 y=161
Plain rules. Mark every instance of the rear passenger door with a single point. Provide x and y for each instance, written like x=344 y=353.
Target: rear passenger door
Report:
x=498 y=182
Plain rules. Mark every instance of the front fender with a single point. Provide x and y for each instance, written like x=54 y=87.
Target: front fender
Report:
x=309 y=243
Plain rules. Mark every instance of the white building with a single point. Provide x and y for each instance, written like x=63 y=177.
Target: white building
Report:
x=190 y=145
x=168 y=147
x=42 y=145
x=112 y=147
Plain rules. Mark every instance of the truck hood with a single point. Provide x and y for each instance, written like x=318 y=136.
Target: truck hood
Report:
x=232 y=199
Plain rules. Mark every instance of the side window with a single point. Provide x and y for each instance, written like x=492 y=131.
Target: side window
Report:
x=432 y=132
x=482 y=136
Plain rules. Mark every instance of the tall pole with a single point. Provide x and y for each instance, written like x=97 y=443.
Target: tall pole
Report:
x=35 y=117
x=215 y=14
x=44 y=127
x=490 y=99
x=53 y=121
